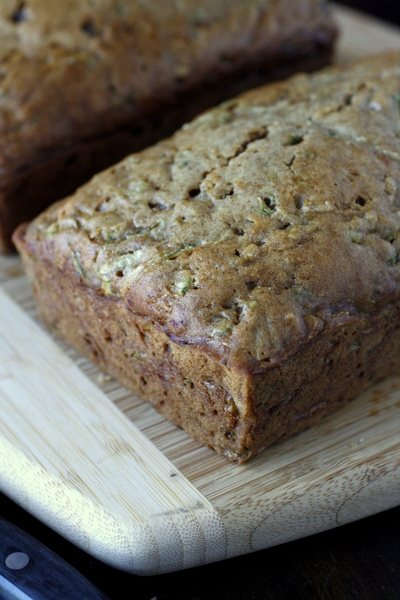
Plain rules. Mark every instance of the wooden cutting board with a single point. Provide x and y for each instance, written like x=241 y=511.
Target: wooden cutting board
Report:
x=104 y=470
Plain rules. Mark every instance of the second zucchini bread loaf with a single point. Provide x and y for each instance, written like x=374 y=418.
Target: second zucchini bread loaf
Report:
x=243 y=275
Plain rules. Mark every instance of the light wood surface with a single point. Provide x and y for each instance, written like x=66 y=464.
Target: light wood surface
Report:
x=102 y=468
x=362 y=35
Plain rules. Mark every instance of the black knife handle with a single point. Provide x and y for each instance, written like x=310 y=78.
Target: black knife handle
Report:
x=38 y=572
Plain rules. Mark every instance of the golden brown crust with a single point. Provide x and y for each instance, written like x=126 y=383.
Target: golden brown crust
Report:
x=73 y=72
x=265 y=231
x=237 y=213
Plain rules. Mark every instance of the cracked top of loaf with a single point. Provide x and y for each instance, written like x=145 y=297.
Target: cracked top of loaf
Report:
x=258 y=225
x=72 y=69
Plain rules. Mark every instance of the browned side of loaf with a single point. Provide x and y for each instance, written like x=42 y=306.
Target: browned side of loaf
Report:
x=82 y=87
x=234 y=412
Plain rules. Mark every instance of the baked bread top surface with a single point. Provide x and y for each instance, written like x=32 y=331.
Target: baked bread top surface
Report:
x=72 y=68
x=255 y=227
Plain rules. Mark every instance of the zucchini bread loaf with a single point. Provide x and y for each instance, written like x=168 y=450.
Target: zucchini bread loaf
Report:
x=83 y=83
x=243 y=275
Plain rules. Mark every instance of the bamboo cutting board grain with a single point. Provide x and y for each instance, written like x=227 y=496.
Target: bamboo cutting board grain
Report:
x=102 y=468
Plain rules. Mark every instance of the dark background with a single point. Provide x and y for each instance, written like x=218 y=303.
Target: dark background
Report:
x=356 y=561
x=388 y=10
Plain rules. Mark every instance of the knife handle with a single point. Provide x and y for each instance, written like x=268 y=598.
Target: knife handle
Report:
x=33 y=570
